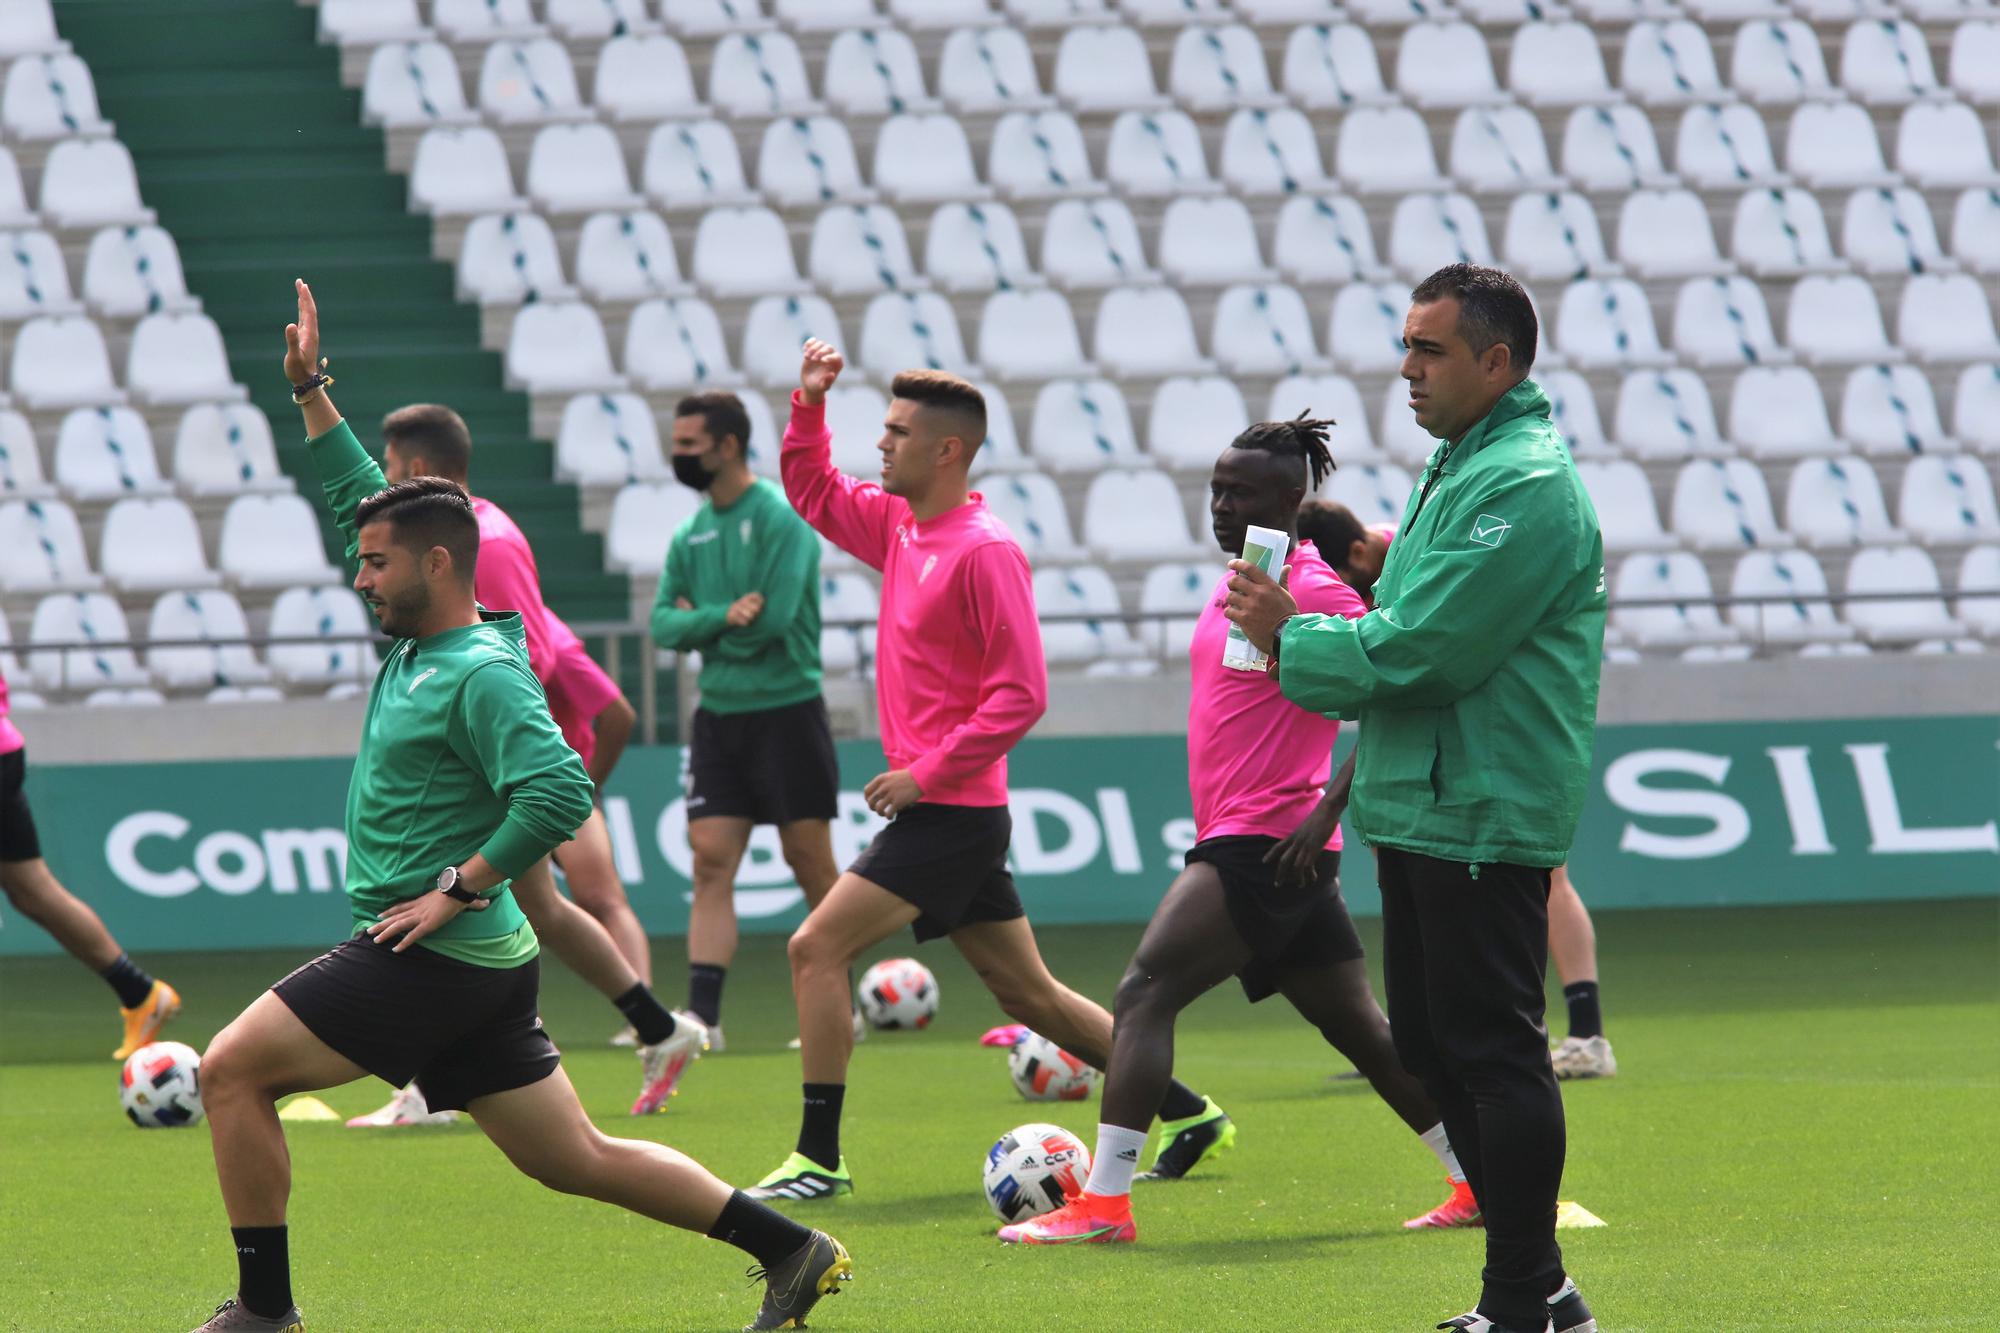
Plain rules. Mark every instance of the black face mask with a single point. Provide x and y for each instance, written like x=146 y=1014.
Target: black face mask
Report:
x=689 y=471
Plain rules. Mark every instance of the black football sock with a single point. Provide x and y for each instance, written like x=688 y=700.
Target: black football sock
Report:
x=819 y=1128
x=1181 y=1102
x=1585 y=1019
x=648 y=1017
x=129 y=980
x=263 y=1270
x=765 y=1234
x=705 y=991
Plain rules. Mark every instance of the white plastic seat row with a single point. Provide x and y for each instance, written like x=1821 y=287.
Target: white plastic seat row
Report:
x=62 y=361
x=219 y=449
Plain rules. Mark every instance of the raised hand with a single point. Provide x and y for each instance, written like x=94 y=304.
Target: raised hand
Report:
x=820 y=368
x=302 y=338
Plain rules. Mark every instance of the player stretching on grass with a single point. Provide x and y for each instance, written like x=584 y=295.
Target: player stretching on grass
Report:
x=1260 y=898
x=960 y=678
x=597 y=936
x=462 y=781
x=1475 y=682
x=34 y=892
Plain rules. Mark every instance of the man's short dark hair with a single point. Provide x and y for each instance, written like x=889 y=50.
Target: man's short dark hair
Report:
x=948 y=392
x=1331 y=527
x=434 y=433
x=424 y=512
x=1492 y=308
x=721 y=414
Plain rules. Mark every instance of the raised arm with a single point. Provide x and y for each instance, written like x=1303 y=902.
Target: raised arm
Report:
x=506 y=580
x=347 y=475
x=1013 y=674
x=857 y=516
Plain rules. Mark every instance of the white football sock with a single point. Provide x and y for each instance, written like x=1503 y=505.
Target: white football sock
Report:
x=1434 y=1138
x=1117 y=1158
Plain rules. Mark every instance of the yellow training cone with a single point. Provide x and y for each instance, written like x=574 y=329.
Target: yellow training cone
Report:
x=312 y=1108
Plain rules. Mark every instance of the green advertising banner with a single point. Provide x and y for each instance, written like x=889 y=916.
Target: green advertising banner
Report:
x=250 y=854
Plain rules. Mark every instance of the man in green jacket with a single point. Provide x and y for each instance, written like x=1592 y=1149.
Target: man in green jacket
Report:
x=1475 y=683
x=741 y=587
x=462 y=782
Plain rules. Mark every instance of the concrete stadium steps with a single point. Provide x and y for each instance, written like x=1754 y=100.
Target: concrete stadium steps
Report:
x=254 y=156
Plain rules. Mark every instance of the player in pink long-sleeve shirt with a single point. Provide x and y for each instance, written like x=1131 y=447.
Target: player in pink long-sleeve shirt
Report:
x=959 y=679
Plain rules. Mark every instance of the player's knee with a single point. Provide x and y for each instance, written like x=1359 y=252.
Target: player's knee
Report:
x=1138 y=990
x=811 y=951
x=229 y=1068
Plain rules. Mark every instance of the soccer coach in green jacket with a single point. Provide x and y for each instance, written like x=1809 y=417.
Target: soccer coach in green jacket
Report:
x=1475 y=683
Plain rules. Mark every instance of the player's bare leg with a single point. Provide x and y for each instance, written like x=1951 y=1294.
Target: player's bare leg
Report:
x=592 y=872
x=718 y=843
x=808 y=848
x=144 y=1003
x=1585 y=1052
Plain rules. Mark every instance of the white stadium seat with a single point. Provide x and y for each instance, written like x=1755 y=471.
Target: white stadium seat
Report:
x=28 y=27
x=88 y=619
x=924 y=159
x=507 y=258
x=462 y=171
x=1798 y=611
x=484 y=20
x=1105 y=68
x=990 y=69
x=823 y=15
x=1975 y=230
x=50 y=97
x=1975 y=60
x=103 y=453
x=1941 y=318
x=132 y=271
x=1218 y=68
x=694 y=164
x=1557 y=64
x=854 y=418
x=1445 y=64
x=1383 y=149
x=641 y=527
x=774 y=330
x=676 y=344
x=1039 y=155
x=1554 y=235
x=1156 y=153
x=1623 y=499
x=1209 y=241
x=1001 y=451
x=1429 y=231
x=1136 y=515
x=1886 y=60
x=1573 y=409
x=20 y=461
x=1365 y=328
x=1724 y=148
x=1723 y=503
x=1082 y=590
x=61 y=362
x=859 y=249
x=41 y=548
x=579 y=169
x=627 y=256
x=1500 y=148
x=1723 y=322
x=1665 y=63
x=1948 y=501
x=1082 y=425
x=712 y=18
x=1332 y=66
x=1780 y=233
x=529 y=83
x=1837 y=502
x=977 y=247
x=1979 y=572
x=1778 y=412
x=335 y=615
x=1376 y=492
x=920 y=15
x=1031 y=507
x=272 y=541
x=1146 y=331
x=91 y=183
x=1264 y=330
x=152 y=545
x=1389 y=13
x=1029 y=335
x=1688 y=620
x=1941 y=145
x=197 y=619
x=1175 y=595
x=599 y=20
x=1611 y=148
x=874 y=72
x=1889 y=231
x=1975 y=409
x=413 y=83
x=1831 y=145
x=559 y=347
x=1777 y=62
x=1193 y=418
x=370 y=22
x=808 y=160
x=36 y=282
x=1324 y=239
x=643 y=76
x=759 y=74
x=1667 y=234
x=226 y=448
x=1327 y=397
x=1398 y=432
x=1666 y=415
x=911 y=331
x=1902 y=569
x=1172 y=13
x=608 y=439
x=1835 y=320
x=1271 y=152
x=744 y=252
x=1891 y=410
x=1607 y=322
x=14 y=210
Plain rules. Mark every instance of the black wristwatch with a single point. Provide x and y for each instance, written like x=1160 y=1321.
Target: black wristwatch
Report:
x=1277 y=637
x=447 y=884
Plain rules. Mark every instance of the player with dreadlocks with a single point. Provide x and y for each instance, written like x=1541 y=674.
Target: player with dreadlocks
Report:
x=1260 y=896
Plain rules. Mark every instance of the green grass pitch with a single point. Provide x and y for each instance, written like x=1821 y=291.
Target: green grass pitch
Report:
x=1800 y=1139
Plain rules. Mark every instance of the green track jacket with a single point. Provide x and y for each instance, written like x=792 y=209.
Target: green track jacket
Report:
x=1475 y=678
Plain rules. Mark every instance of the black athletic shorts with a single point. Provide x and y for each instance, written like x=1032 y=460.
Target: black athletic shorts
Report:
x=1286 y=927
x=947 y=861
x=461 y=1031
x=18 y=841
x=769 y=767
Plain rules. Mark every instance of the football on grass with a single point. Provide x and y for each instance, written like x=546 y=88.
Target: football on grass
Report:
x=1045 y=1072
x=1034 y=1170
x=160 y=1086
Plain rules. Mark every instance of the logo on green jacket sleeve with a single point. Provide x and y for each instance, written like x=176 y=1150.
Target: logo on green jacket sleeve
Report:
x=1490 y=531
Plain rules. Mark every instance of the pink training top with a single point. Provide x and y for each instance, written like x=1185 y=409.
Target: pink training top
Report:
x=1258 y=763
x=959 y=674
x=506 y=579
x=10 y=735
